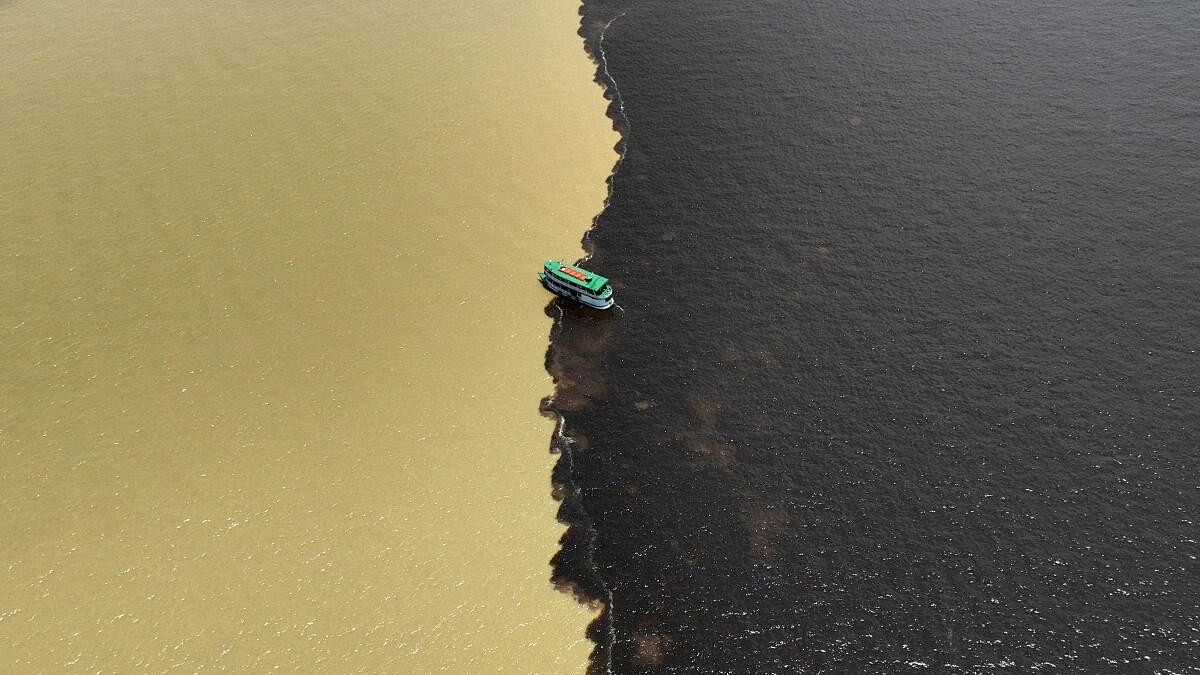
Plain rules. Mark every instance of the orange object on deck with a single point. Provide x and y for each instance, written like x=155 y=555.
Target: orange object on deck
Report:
x=573 y=272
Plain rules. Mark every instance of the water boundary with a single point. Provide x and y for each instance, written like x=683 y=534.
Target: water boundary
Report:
x=573 y=368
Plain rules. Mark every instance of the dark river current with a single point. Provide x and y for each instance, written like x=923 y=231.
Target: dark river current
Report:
x=904 y=374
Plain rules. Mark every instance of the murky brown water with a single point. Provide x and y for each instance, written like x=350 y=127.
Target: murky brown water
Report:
x=271 y=338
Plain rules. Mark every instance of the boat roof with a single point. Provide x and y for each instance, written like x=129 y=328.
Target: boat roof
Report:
x=591 y=281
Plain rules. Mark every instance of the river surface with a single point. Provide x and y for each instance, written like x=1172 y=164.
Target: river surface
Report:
x=271 y=336
x=905 y=376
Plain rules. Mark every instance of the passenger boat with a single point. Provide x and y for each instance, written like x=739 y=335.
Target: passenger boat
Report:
x=576 y=283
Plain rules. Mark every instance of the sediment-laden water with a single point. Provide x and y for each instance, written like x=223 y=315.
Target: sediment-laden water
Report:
x=905 y=374
x=271 y=335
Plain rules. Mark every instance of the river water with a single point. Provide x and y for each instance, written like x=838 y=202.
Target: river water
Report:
x=905 y=376
x=271 y=337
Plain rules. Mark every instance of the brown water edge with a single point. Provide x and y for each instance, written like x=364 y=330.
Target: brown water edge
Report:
x=579 y=342
x=255 y=415
x=573 y=359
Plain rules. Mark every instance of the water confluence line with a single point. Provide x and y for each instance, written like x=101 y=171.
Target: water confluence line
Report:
x=625 y=129
x=561 y=440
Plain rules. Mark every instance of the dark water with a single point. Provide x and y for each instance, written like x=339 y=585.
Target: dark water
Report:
x=906 y=376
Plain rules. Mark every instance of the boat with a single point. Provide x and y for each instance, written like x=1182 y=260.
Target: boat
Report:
x=575 y=283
